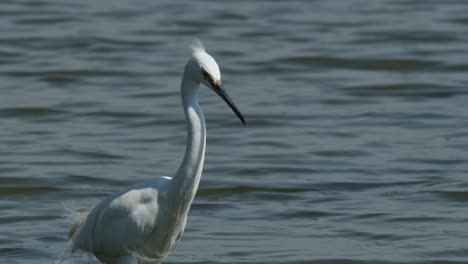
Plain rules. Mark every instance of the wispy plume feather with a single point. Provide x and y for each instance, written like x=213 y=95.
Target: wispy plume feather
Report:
x=197 y=45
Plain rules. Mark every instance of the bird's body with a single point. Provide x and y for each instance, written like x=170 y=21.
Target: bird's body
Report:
x=142 y=223
x=122 y=224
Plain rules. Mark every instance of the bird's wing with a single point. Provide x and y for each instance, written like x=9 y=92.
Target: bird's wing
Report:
x=122 y=221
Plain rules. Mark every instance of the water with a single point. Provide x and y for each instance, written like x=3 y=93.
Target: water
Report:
x=356 y=149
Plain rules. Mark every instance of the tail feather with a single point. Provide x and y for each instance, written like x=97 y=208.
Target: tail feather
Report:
x=79 y=218
x=75 y=227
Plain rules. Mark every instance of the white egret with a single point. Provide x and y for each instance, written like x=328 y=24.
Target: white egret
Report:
x=142 y=223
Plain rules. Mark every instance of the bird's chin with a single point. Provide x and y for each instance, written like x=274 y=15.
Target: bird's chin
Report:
x=206 y=83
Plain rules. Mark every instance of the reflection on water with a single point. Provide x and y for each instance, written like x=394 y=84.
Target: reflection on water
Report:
x=356 y=149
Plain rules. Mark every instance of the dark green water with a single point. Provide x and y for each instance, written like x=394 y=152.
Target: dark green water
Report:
x=356 y=149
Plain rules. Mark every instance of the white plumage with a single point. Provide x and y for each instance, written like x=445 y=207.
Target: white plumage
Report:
x=142 y=223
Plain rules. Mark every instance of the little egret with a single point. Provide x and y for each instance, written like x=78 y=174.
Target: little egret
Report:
x=142 y=223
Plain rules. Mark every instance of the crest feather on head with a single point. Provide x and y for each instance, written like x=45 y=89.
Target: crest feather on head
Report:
x=197 y=46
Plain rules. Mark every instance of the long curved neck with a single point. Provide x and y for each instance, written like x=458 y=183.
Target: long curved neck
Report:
x=184 y=184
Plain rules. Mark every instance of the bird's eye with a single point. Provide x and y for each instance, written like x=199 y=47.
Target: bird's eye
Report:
x=206 y=75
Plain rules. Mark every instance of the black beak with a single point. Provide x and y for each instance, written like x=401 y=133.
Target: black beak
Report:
x=218 y=88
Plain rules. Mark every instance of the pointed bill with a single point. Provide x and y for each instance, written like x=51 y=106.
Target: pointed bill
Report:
x=218 y=88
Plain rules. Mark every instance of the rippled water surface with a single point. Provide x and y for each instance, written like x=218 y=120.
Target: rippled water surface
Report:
x=356 y=149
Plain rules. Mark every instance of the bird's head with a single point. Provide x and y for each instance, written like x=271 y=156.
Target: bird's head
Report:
x=204 y=69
